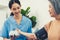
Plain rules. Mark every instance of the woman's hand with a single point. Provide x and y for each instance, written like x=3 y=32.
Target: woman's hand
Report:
x=13 y=33
x=28 y=35
x=19 y=31
x=32 y=37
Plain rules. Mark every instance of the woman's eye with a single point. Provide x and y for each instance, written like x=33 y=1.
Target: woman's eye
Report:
x=18 y=8
x=14 y=8
x=49 y=6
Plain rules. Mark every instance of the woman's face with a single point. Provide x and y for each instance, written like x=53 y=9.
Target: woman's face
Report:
x=16 y=8
x=51 y=10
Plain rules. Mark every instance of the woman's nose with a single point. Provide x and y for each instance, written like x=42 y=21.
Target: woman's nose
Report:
x=48 y=10
x=17 y=10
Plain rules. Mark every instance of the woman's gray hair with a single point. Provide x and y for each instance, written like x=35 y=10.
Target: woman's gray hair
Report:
x=56 y=5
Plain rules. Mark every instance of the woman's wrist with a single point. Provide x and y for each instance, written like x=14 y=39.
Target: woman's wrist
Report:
x=20 y=32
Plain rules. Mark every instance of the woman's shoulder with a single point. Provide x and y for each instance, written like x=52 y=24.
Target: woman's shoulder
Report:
x=47 y=26
x=26 y=19
x=9 y=19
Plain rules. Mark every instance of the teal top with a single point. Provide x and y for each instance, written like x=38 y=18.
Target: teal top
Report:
x=11 y=24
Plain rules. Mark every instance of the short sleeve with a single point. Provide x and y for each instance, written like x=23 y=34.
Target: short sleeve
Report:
x=30 y=27
x=4 y=30
x=27 y=25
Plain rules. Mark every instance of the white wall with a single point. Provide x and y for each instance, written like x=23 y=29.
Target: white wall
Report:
x=39 y=8
x=2 y=17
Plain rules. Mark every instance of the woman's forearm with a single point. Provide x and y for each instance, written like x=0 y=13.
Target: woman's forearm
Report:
x=24 y=33
x=29 y=35
x=5 y=39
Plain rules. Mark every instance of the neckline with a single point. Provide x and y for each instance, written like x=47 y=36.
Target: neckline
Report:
x=16 y=22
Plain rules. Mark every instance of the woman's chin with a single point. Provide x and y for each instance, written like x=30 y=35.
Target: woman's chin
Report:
x=52 y=15
x=16 y=14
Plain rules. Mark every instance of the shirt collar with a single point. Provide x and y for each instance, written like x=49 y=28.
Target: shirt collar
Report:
x=14 y=21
